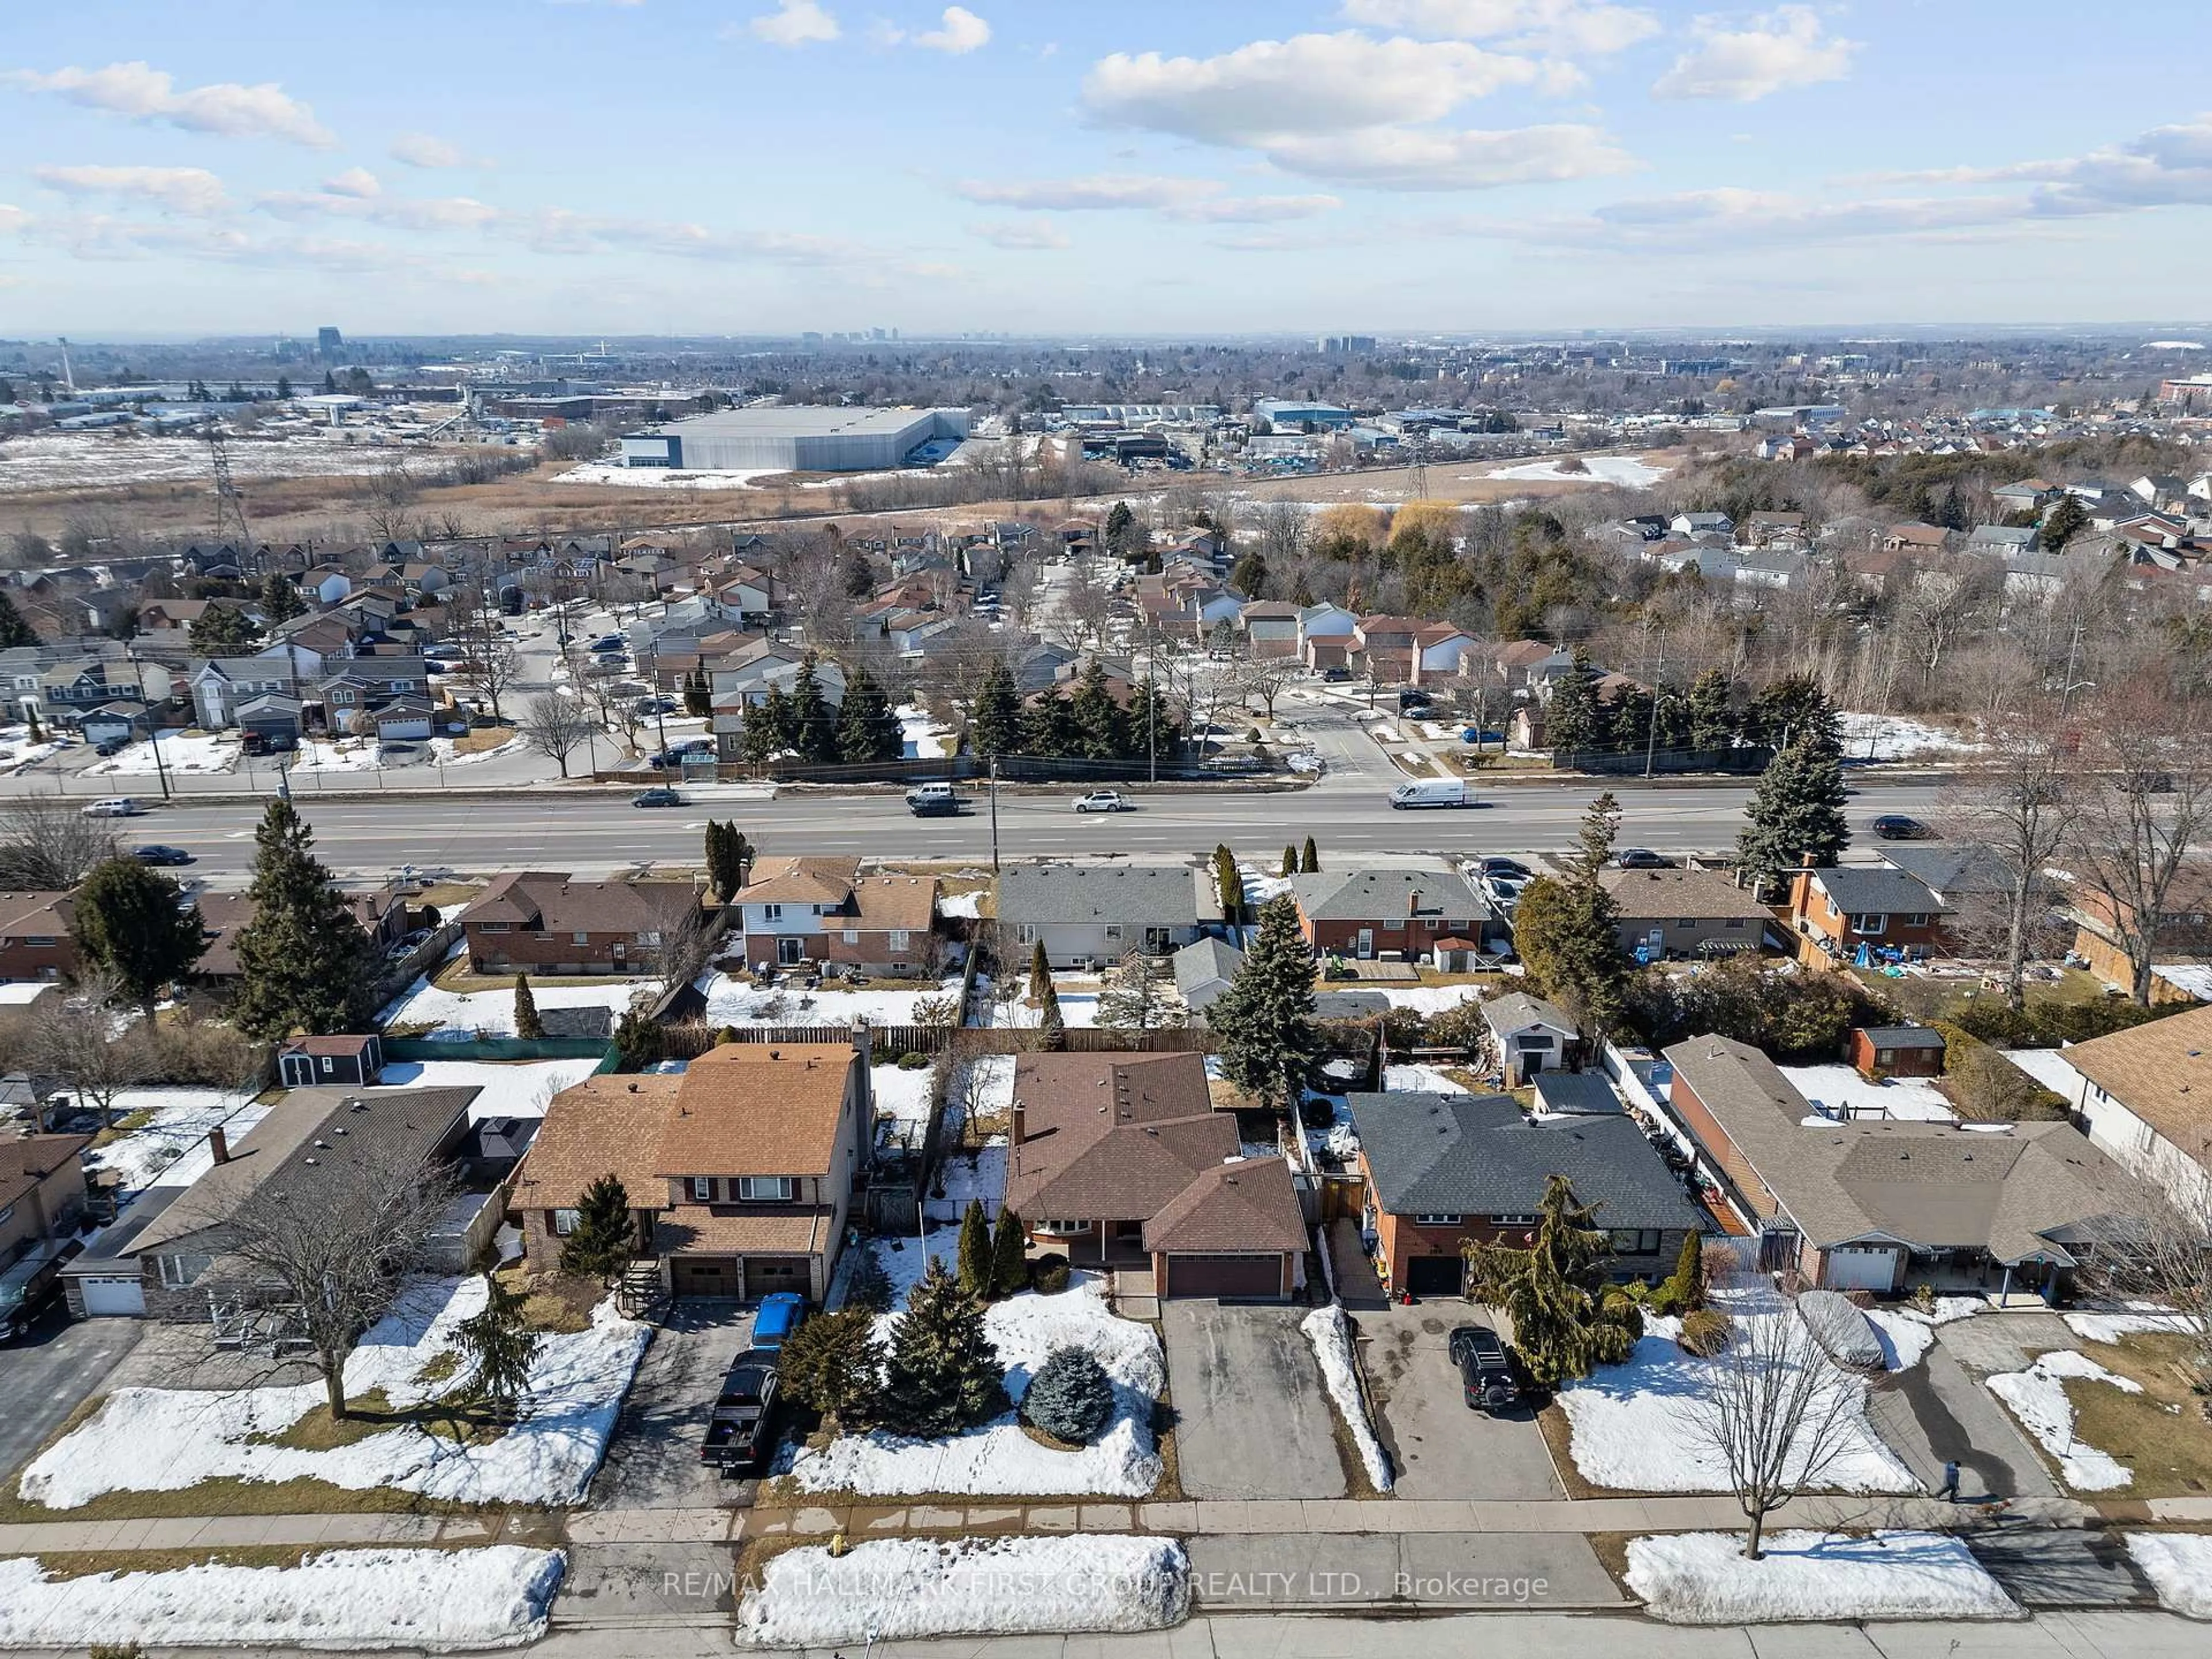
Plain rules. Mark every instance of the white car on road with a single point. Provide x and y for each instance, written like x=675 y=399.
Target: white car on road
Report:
x=1102 y=800
x=115 y=806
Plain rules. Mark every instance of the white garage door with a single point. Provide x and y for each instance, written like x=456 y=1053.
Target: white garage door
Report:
x=116 y=1298
x=1855 y=1269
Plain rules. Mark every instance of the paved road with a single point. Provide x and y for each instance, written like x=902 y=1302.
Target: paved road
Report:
x=47 y=1374
x=1251 y=1419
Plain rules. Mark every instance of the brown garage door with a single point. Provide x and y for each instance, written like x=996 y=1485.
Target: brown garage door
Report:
x=765 y=1274
x=711 y=1275
x=1224 y=1275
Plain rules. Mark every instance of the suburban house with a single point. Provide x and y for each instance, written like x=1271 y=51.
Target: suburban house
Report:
x=822 y=909
x=1384 y=647
x=1685 y=913
x=35 y=942
x=1121 y=1157
x=381 y=911
x=1881 y=1205
x=1402 y=912
x=42 y=1192
x=740 y=1171
x=2145 y=1096
x=1099 y=913
x=220 y=684
x=1847 y=909
x=1532 y=1036
x=304 y=1061
x=1203 y=970
x=1271 y=629
x=1440 y=651
x=544 y=921
x=2185 y=936
x=350 y=700
x=1880 y=1051
x=1441 y=1171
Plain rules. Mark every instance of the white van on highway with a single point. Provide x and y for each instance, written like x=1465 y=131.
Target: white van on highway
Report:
x=1433 y=792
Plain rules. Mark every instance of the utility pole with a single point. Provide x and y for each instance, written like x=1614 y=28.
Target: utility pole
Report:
x=2066 y=686
x=1651 y=731
x=994 y=815
x=153 y=729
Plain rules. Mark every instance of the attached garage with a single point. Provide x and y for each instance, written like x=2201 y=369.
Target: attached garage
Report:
x=767 y=1274
x=1435 y=1275
x=1861 y=1267
x=706 y=1276
x=110 y=1296
x=1242 y=1275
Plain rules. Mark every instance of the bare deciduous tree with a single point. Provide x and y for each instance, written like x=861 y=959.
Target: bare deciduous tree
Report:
x=2020 y=808
x=683 y=939
x=1140 y=995
x=86 y=1044
x=1779 y=1413
x=556 y=726
x=48 y=845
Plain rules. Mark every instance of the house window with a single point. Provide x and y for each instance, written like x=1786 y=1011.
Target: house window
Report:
x=766 y=1189
x=1113 y=930
x=1885 y=1056
x=1869 y=924
x=1736 y=921
x=1432 y=923
x=564 y=1223
x=851 y=935
x=1631 y=1241
x=1513 y=1221
x=900 y=939
x=771 y=912
x=1063 y=1228
x=580 y=939
x=329 y=1065
x=1917 y=919
x=702 y=1190
x=495 y=927
x=649 y=938
x=1027 y=933
x=1438 y=1220
x=39 y=939
x=1684 y=923
x=1391 y=924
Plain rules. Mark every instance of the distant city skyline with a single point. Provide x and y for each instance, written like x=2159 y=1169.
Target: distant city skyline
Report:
x=1054 y=170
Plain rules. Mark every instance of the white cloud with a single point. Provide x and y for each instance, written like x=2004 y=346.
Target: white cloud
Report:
x=1254 y=209
x=422 y=149
x=1019 y=237
x=355 y=181
x=404 y=212
x=146 y=93
x=192 y=191
x=1408 y=158
x=1569 y=27
x=1098 y=192
x=961 y=30
x=13 y=219
x=794 y=23
x=1785 y=48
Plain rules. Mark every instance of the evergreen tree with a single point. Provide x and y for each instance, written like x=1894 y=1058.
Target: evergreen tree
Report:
x=1010 y=1256
x=35 y=733
x=1795 y=707
x=814 y=727
x=852 y=571
x=223 y=629
x=1684 y=1291
x=1228 y=885
x=1102 y=734
x=1713 y=723
x=942 y=1374
x=974 y=1249
x=1567 y=929
x=1124 y=535
x=1140 y=995
x=996 y=728
x=604 y=1238
x=132 y=920
x=1248 y=576
x=304 y=963
x=527 y=1026
x=721 y=874
x=1289 y=865
x=867 y=727
x=499 y=1346
x=1567 y=1318
x=1265 y=1019
x=867 y=1286
x=1050 y=727
x=1309 y=860
x=279 y=600
x=2066 y=520
x=640 y=1040
x=1070 y=1396
x=698 y=694
x=769 y=730
x=1040 y=972
x=742 y=853
x=1052 y=1024
x=14 y=631
x=1150 y=727
x=1573 y=719
x=1796 y=813
x=833 y=1363
x=284 y=387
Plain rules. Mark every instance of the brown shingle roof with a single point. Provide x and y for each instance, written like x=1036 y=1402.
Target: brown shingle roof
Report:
x=1111 y=1135
x=28 y=1160
x=723 y=1229
x=43 y=914
x=827 y=881
x=602 y=1126
x=753 y=1109
x=1694 y=894
x=908 y=902
x=2161 y=1072
x=551 y=902
x=1250 y=1205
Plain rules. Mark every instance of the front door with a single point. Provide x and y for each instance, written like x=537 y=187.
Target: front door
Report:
x=1366 y=944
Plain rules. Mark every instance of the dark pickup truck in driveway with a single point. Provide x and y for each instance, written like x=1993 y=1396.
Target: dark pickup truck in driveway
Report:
x=738 y=1433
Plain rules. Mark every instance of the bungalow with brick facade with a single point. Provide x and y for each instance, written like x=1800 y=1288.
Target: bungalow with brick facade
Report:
x=1402 y=912
x=544 y=921
x=35 y=942
x=1441 y=1171
x=1685 y=913
x=822 y=909
x=1845 y=907
x=1122 y=1158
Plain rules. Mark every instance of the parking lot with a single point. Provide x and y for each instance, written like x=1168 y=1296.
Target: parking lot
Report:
x=1439 y=1447
x=653 y=1461
x=1251 y=1417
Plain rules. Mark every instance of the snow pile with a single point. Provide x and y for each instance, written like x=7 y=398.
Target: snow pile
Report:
x=2140 y=1317
x=181 y=752
x=907 y=1589
x=1645 y=1425
x=1261 y=888
x=998 y=1460
x=1844 y=1093
x=967 y=907
x=1906 y=1336
x=1627 y=471
x=1703 y=1578
x=732 y=1002
x=460 y=1015
x=17 y=750
x=169 y=1439
x=521 y=1089
x=1893 y=737
x=1330 y=1333
x=2037 y=1398
x=2179 y=1567
x=158 y=1152
x=1419 y=1079
x=1427 y=999
x=435 y=1599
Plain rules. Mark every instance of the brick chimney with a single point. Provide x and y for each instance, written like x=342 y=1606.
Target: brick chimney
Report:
x=1413 y=902
x=218 y=1144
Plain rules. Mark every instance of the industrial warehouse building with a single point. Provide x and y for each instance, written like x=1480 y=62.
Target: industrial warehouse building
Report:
x=798 y=439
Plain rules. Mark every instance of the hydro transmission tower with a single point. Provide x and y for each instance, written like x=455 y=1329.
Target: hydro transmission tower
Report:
x=229 y=505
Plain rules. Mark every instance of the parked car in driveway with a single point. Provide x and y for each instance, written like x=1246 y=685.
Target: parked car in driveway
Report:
x=656 y=798
x=33 y=1284
x=779 y=1313
x=110 y=746
x=157 y=854
x=1897 y=826
x=738 y=1431
x=114 y=806
x=1102 y=800
x=1487 y=1375
x=1641 y=858
x=1512 y=869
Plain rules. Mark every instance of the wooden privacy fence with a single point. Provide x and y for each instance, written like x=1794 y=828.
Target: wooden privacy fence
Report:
x=689 y=1042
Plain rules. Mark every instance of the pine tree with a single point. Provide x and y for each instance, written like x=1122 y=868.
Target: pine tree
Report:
x=1150 y=728
x=833 y=1364
x=1571 y=719
x=132 y=920
x=770 y=729
x=721 y=873
x=1309 y=860
x=1010 y=1254
x=527 y=1026
x=1101 y=730
x=698 y=694
x=1796 y=813
x=813 y=727
x=280 y=601
x=1290 y=866
x=2067 y=519
x=35 y=733
x=942 y=1374
x=1685 y=1288
x=601 y=1244
x=1566 y=929
x=1713 y=724
x=1248 y=576
x=1050 y=727
x=1070 y=1396
x=1793 y=706
x=222 y=629
x=1555 y=1292
x=1040 y=972
x=1265 y=1019
x=304 y=963
x=867 y=1286
x=996 y=728
x=867 y=727
x=1229 y=885
x=14 y=631
x=1140 y=995
x=742 y=854
x=499 y=1346
x=1051 y=1023
x=640 y=1040
x=974 y=1249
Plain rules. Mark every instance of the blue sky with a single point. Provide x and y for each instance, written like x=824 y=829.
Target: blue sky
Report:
x=1134 y=167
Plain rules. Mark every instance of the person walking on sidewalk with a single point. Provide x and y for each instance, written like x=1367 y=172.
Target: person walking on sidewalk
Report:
x=1949 y=1489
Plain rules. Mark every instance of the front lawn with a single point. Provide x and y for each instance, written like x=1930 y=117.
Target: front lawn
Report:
x=2160 y=1435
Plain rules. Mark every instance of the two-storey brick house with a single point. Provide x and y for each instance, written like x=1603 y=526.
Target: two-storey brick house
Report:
x=544 y=921
x=822 y=909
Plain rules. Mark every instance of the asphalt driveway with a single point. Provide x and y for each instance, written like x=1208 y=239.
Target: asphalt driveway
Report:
x=52 y=1370
x=1252 y=1420
x=653 y=1461
x=1438 y=1446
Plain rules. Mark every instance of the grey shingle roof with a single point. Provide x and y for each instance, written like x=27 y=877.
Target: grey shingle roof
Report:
x=1904 y=1037
x=1587 y=1093
x=1364 y=895
x=1078 y=894
x=1433 y=1154
x=1949 y=867
x=1870 y=891
x=1204 y=967
x=1517 y=1011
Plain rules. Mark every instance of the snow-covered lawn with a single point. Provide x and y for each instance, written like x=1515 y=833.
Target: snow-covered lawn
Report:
x=2037 y=1398
x=1906 y=1336
x=903 y=1096
x=437 y=1600
x=732 y=1002
x=963 y=906
x=907 y=1589
x=1078 y=994
x=1894 y=738
x=2179 y=1567
x=2049 y=1068
x=1626 y=470
x=158 y=1152
x=1643 y=1425
x=1843 y=1092
x=1703 y=1578
x=343 y=754
x=1421 y=999
x=17 y=750
x=1330 y=1333
x=520 y=1090
x=181 y=752
x=981 y=1173
x=460 y=1015
x=443 y=751
x=1419 y=1079
x=2138 y=1317
x=660 y=478
x=170 y=1439
x=926 y=738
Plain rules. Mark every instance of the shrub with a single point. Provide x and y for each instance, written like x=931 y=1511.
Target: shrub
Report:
x=914 y=1061
x=1924 y=1296
x=1071 y=1396
x=1684 y=1290
x=1988 y=1088
x=1049 y=1274
x=1704 y=1333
